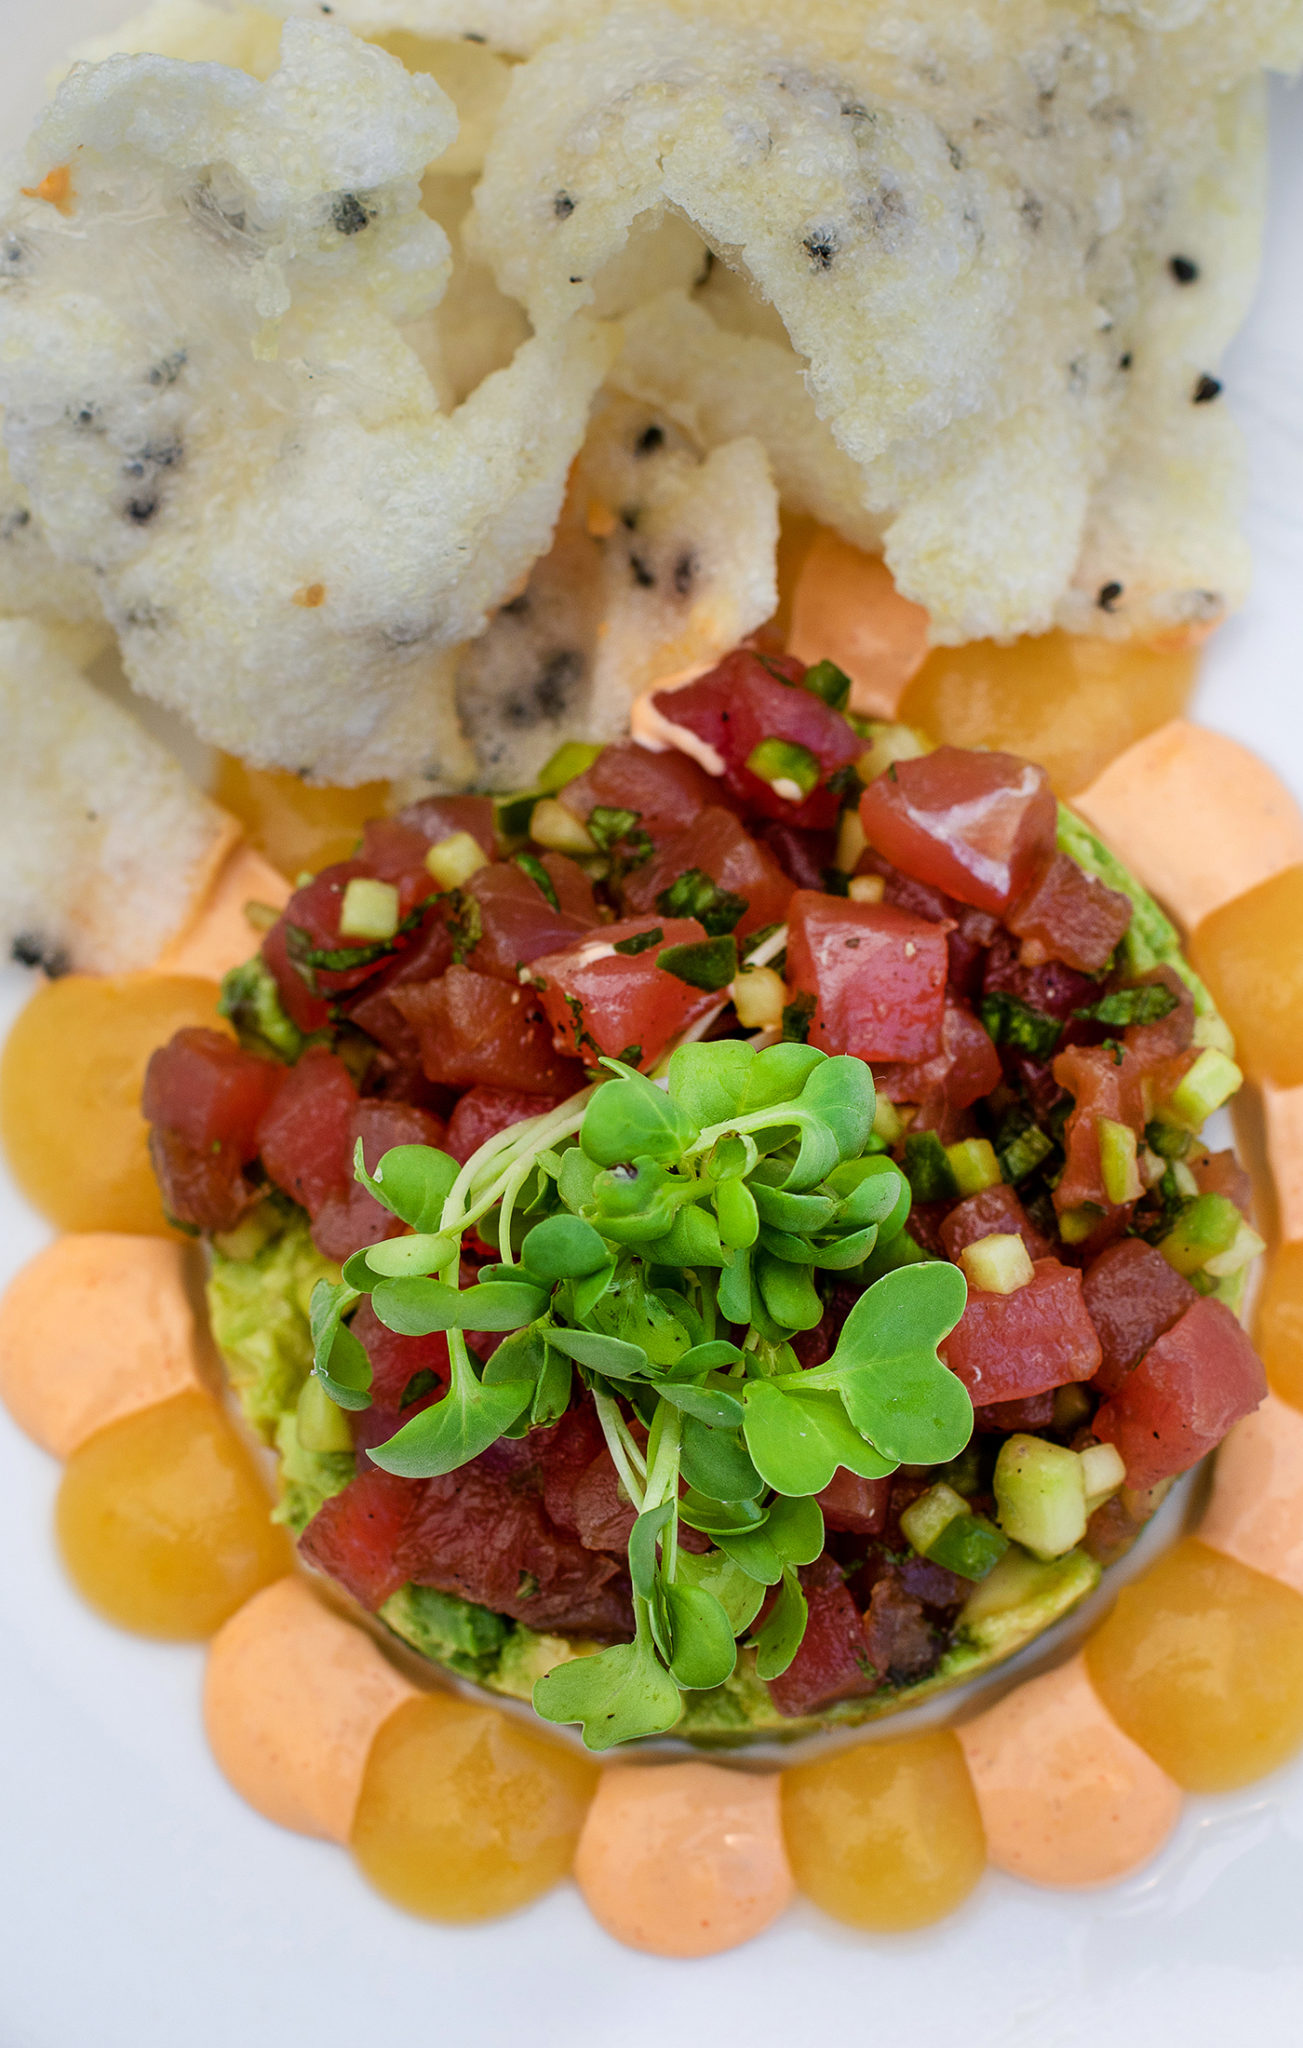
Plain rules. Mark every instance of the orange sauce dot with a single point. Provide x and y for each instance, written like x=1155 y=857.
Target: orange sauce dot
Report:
x=1066 y=700
x=1279 y=1331
x=887 y=1835
x=295 y=826
x=465 y=1812
x=70 y=1079
x=164 y=1523
x=1250 y=953
x=1201 y=1663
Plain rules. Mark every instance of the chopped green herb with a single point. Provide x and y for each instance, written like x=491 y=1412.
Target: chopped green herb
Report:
x=1010 y=1021
x=1145 y=1005
x=702 y=963
x=1020 y=1146
x=798 y=1015
x=530 y=864
x=465 y=923
x=828 y=681
x=640 y=942
x=610 y=827
x=251 y=999
x=694 y=894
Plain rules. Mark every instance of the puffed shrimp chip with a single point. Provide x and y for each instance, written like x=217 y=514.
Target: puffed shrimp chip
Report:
x=955 y=212
x=663 y=559
x=202 y=33
x=213 y=404
x=513 y=26
x=104 y=843
x=720 y=384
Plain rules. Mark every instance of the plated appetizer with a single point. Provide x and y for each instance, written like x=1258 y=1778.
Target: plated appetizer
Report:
x=867 y=1338
x=682 y=1213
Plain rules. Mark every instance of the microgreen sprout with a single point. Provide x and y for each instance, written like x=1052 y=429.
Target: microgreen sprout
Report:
x=660 y=1243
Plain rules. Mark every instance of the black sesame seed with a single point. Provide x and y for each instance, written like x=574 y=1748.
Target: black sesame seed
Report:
x=1109 y=593
x=563 y=205
x=650 y=439
x=1206 y=390
x=30 y=950
x=1183 y=269
x=1124 y=362
x=685 y=573
x=14 y=523
x=644 y=577
x=142 y=510
x=821 y=249
x=349 y=215
x=167 y=371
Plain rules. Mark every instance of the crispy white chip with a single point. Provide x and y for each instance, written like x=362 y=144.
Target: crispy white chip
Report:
x=720 y=384
x=474 y=79
x=104 y=843
x=513 y=26
x=962 y=217
x=475 y=329
x=663 y=559
x=197 y=30
x=212 y=404
x=32 y=578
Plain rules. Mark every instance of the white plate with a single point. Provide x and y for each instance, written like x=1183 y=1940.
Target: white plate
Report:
x=143 y=1906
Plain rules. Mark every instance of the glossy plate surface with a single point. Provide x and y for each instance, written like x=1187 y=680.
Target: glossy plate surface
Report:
x=143 y=1906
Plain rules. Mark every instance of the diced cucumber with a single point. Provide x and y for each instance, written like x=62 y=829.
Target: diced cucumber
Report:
x=1169 y=1140
x=553 y=826
x=574 y=757
x=974 y=1165
x=1023 y=1154
x=970 y=1546
x=942 y=1527
x=1118 y=1161
x=1210 y=1082
x=866 y=888
x=1075 y=1225
x=321 y=1426
x=1244 y=1246
x=998 y=1264
x=790 y=769
x=1209 y=1226
x=511 y=814
x=925 y=1518
x=888 y=1123
x=369 y=909
x=927 y=1168
x=851 y=841
x=1102 y=1472
x=1040 y=1495
x=455 y=859
x=888 y=744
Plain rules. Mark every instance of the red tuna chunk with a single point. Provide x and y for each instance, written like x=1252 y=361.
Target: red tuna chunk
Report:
x=1199 y=1378
x=878 y=976
x=1008 y=1346
x=975 y=825
x=1132 y=1295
